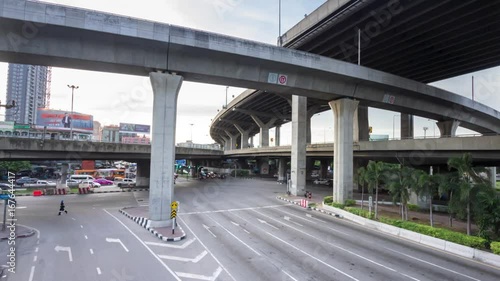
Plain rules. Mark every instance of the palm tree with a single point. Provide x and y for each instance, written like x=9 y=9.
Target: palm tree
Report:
x=448 y=184
x=469 y=178
x=374 y=174
x=361 y=180
x=427 y=185
x=402 y=179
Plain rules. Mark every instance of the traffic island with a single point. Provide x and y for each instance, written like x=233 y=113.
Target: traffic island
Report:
x=20 y=232
x=140 y=216
x=304 y=203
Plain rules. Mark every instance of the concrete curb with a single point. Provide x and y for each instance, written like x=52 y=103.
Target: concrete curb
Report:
x=22 y=235
x=311 y=208
x=144 y=222
x=69 y=193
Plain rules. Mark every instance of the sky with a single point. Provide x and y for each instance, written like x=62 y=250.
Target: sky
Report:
x=115 y=98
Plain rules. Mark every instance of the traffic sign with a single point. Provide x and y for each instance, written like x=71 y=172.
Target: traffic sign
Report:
x=174 y=205
x=173 y=214
x=282 y=79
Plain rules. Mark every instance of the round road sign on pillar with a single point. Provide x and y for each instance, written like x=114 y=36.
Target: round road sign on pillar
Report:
x=282 y=79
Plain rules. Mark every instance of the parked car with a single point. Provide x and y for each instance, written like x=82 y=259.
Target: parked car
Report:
x=126 y=183
x=323 y=181
x=5 y=186
x=40 y=184
x=103 y=181
x=91 y=183
x=24 y=180
x=72 y=183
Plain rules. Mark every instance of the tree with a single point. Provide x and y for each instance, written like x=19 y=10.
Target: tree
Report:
x=361 y=180
x=487 y=210
x=374 y=174
x=15 y=166
x=469 y=180
x=428 y=185
x=401 y=180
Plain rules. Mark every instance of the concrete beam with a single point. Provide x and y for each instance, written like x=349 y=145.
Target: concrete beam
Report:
x=448 y=128
x=264 y=129
x=244 y=136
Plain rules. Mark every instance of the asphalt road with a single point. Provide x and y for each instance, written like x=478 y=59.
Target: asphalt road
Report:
x=236 y=230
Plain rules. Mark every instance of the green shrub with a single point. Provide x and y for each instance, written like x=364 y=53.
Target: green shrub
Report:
x=359 y=212
x=350 y=202
x=337 y=205
x=312 y=205
x=328 y=199
x=413 y=207
x=495 y=247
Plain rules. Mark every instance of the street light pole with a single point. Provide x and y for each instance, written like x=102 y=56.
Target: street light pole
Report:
x=227 y=87
x=425 y=131
x=191 y=132
x=72 y=87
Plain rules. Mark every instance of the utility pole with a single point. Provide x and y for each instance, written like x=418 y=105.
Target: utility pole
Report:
x=72 y=87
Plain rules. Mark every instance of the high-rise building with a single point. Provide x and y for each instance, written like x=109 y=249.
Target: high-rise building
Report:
x=27 y=85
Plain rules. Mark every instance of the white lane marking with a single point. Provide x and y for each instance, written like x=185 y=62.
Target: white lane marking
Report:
x=231 y=210
x=240 y=226
x=32 y=273
x=265 y=222
x=288 y=219
x=66 y=249
x=333 y=245
x=81 y=226
x=36 y=250
x=206 y=227
x=35 y=258
x=195 y=260
x=183 y=246
x=332 y=229
x=310 y=216
x=201 y=277
x=91 y=251
x=289 y=275
x=234 y=236
x=86 y=237
x=246 y=231
x=73 y=219
x=116 y=240
x=98 y=271
x=149 y=249
x=195 y=236
x=430 y=263
x=235 y=223
x=23 y=207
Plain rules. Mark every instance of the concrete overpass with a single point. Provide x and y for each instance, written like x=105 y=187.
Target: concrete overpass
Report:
x=47 y=34
x=485 y=151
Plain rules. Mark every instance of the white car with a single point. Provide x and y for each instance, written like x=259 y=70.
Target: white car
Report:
x=323 y=181
x=91 y=183
x=125 y=183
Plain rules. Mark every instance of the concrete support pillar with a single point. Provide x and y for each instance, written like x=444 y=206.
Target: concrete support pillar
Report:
x=298 y=163
x=448 y=128
x=64 y=175
x=233 y=140
x=344 y=110
x=282 y=170
x=161 y=184
x=251 y=141
x=264 y=130
x=493 y=176
x=244 y=136
x=277 y=135
x=406 y=126
x=309 y=167
x=143 y=172
x=323 y=172
x=362 y=123
x=227 y=143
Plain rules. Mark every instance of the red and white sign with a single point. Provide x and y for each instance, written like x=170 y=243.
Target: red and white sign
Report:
x=282 y=79
x=304 y=203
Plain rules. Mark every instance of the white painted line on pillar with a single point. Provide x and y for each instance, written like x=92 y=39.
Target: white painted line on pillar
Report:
x=195 y=260
x=258 y=254
x=98 y=271
x=36 y=250
x=32 y=273
x=116 y=240
x=430 y=263
x=91 y=251
x=149 y=249
x=86 y=237
x=34 y=258
x=289 y=275
x=183 y=246
x=207 y=228
x=201 y=277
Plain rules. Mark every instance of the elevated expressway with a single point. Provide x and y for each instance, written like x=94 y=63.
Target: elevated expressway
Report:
x=60 y=36
x=425 y=41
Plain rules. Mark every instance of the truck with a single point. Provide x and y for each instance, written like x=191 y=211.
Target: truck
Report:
x=40 y=184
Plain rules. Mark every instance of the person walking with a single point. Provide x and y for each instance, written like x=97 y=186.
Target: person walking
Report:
x=62 y=208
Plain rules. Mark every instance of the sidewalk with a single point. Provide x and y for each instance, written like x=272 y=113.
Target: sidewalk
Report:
x=21 y=231
x=140 y=216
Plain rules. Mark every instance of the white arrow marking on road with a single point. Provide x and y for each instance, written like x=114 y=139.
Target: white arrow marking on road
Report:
x=288 y=219
x=195 y=260
x=183 y=246
x=207 y=228
x=265 y=222
x=310 y=216
x=113 y=240
x=66 y=249
x=200 y=277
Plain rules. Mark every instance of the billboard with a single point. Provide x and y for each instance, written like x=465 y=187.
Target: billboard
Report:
x=134 y=128
x=63 y=120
